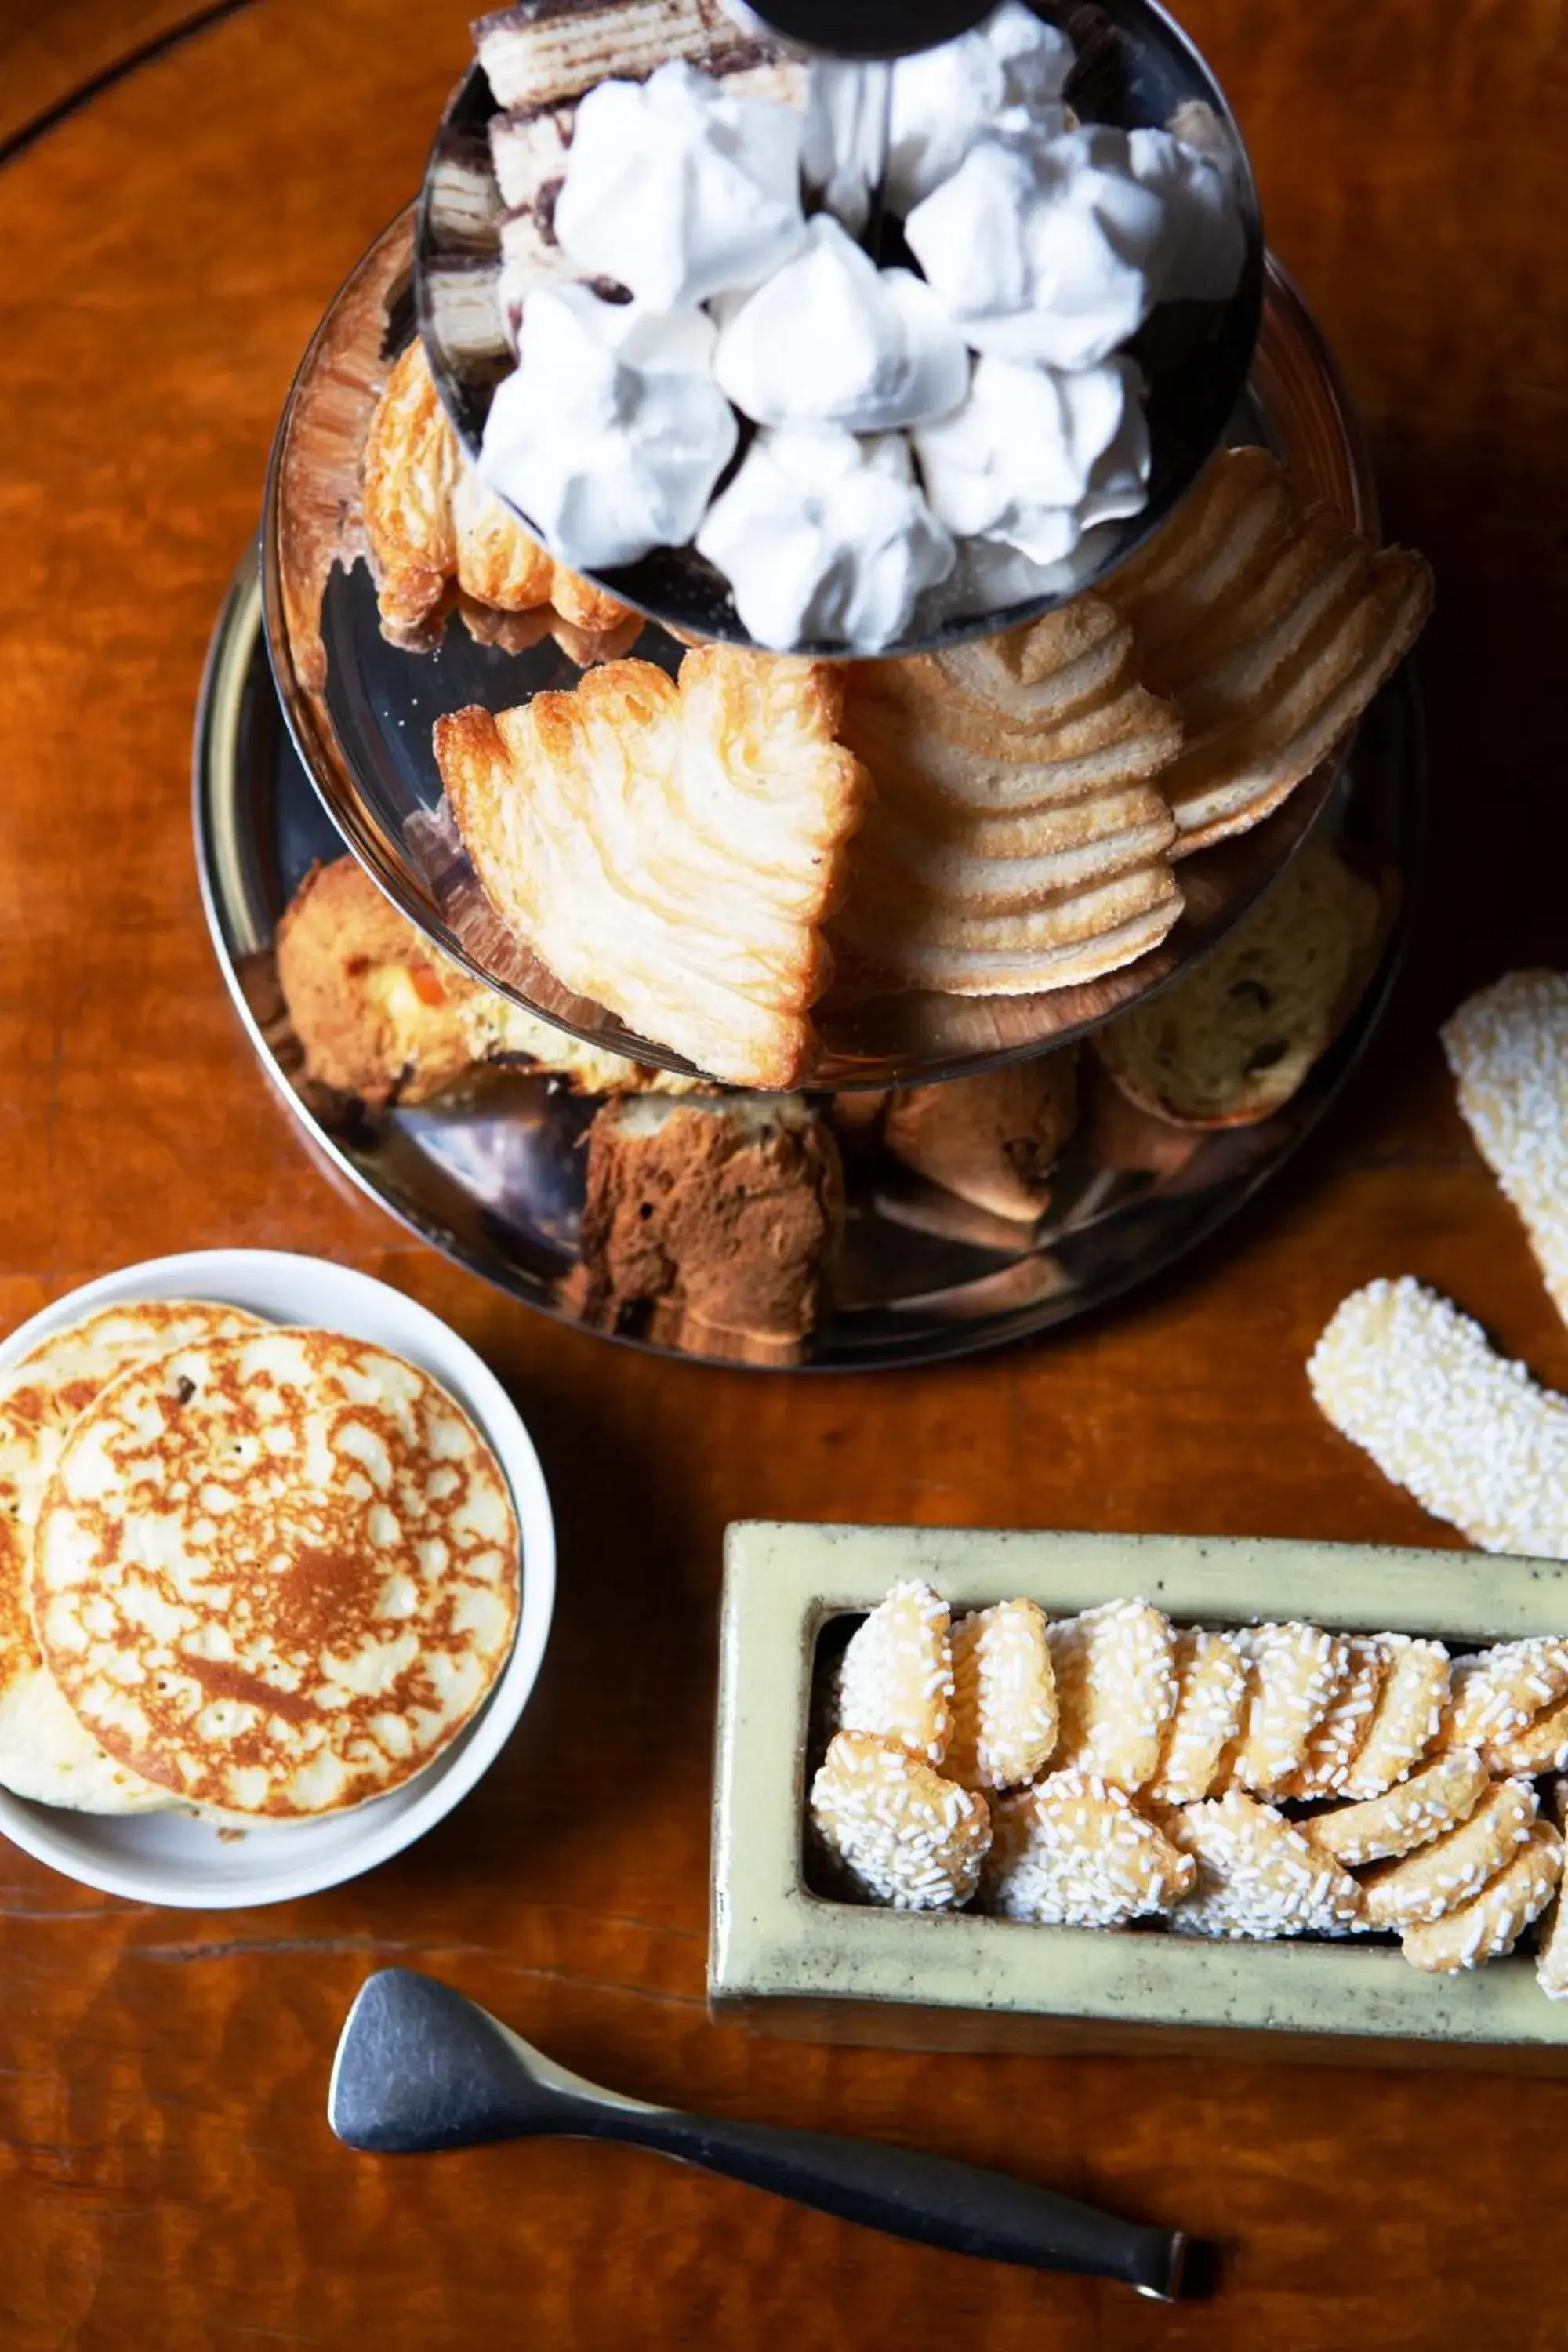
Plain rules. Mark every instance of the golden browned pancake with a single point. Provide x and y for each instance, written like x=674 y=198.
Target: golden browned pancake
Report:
x=276 y=1574
x=45 y=1754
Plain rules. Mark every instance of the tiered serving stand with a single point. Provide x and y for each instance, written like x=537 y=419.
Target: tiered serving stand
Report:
x=314 y=733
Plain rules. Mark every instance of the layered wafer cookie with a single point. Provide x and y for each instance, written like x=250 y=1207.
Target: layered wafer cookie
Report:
x=1211 y=1694
x=534 y=55
x=1073 y=1852
x=1551 y=1937
x=1294 y=1672
x=896 y=1678
x=1271 y=624
x=1401 y=1373
x=1446 y=1874
x=902 y=1833
x=1492 y=1922
x=1499 y=1693
x=1426 y=1807
x=1508 y=1048
x=1003 y=1697
x=1407 y=1717
x=1115 y=1690
x=1337 y=1740
x=1258 y=1875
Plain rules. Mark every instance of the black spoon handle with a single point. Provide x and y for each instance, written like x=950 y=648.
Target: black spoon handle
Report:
x=911 y=2195
x=419 y=2068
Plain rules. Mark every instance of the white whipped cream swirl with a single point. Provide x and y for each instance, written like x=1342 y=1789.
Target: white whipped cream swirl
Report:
x=832 y=340
x=826 y=537
x=1034 y=456
x=1007 y=76
x=679 y=189
x=610 y=434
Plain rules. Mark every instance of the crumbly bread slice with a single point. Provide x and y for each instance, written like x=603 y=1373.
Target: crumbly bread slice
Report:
x=900 y=1831
x=381 y=1014
x=992 y=1139
x=1436 y=1799
x=1074 y=1851
x=438 y=537
x=722 y=1216
x=1229 y=1043
x=1508 y=1048
x=1271 y=624
x=1401 y=1373
x=277 y=1573
x=896 y=1678
x=1004 y=1697
x=672 y=850
x=1015 y=840
x=1492 y=1922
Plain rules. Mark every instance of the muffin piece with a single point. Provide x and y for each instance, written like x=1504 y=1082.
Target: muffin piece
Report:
x=993 y=1139
x=720 y=1215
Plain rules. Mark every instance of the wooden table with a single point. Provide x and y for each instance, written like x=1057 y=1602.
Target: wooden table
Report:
x=169 y=2177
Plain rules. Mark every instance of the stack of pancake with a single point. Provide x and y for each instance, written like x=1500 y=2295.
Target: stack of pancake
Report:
x=256 y=1572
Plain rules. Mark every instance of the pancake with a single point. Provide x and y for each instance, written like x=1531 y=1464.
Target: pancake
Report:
x=45 y=1754
x=276 y=1574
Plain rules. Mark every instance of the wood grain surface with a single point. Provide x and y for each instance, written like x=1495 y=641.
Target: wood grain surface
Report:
x=166 y=2174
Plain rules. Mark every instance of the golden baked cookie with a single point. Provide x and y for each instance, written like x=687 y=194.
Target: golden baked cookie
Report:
x=1073 y=1851
x=1211 y=1694
x=1115 y=1690
x=1294 y=1672
x=1407 y=1717
x=896 y=1678
x=1258 y=1874
x=1492 y=1922
x=1413 y=1813
x=1004 y=1697
x=1446 y=1874
x=901 y=1833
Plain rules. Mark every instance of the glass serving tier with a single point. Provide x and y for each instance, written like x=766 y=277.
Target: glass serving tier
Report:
x=1135 y=68
x=491 y=1171
x=361 y=711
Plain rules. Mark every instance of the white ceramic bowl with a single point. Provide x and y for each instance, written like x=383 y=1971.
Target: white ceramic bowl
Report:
x=172 y=1858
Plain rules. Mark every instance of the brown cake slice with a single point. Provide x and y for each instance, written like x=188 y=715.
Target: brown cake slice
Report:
x=720 y=1215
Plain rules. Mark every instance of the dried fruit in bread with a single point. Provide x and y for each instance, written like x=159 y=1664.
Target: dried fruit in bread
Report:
x=1271 y=624
x=1211 y=1694
x=1003 y=1697
x=1407 y=1717
x=1508 y=1048
x=1433 y=1800
x=1073 y=1851
x=902 y=1833
x=1446 y=1874
x=671 y=849
x=896 y=1678
x=1232 y=1040
x=1492 y=1922
x=1401 y=1373
x=1258 y=1875
x=1115 y=1690
x=993 y=1139
x=1294 y=1672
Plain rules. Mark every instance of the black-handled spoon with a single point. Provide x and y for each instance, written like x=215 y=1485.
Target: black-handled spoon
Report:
x=419 y=2068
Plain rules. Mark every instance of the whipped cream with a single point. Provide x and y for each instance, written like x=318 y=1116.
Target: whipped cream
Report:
x=610 y=434
x=832 y=340
x=1006 y=76
x=1047 y=252
x=824 y=537
x=1203 y=243
x=679 y=188
x=1034 y=456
